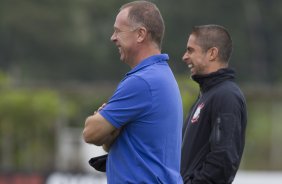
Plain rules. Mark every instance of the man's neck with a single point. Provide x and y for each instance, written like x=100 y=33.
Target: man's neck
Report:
x=144 y=53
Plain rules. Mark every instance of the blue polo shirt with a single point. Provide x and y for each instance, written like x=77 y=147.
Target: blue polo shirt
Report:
x=147 y=106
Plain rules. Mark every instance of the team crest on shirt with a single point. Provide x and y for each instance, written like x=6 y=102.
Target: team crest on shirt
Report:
x=197 y=113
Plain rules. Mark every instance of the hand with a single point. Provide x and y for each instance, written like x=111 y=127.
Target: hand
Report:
x=111 y=140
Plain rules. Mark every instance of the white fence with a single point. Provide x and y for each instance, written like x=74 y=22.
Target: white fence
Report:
x=258 y=177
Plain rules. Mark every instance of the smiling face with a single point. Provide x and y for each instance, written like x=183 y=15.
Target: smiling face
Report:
x=125 y=37
x=196 y=59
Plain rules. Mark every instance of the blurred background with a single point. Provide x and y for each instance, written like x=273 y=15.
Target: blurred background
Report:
x=58 y=65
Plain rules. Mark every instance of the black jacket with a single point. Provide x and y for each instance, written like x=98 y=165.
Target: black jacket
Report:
x=214 y=132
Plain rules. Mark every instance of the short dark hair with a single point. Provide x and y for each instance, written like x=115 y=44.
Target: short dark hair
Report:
x=208 y=36
x=148 y=15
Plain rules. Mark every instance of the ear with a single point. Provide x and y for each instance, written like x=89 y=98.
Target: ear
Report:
x=142 y=33
x=213 y=53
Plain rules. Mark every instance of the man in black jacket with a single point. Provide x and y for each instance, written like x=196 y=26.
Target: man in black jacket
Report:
x=214 y=132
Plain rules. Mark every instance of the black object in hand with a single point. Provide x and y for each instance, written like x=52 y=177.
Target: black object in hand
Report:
x=99 y=163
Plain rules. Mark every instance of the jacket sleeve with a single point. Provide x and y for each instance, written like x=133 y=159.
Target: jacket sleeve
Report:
x=226 y=144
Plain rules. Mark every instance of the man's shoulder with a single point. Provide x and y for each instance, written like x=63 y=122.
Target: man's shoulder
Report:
x=227 y=87
x=134 y=79
x=132 y=86
x=228 y=92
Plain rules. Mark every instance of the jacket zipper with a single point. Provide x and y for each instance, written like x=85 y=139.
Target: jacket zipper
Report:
x=218 y=131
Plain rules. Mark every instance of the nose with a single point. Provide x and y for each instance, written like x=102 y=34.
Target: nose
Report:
x=113 y=37
x=185 y=56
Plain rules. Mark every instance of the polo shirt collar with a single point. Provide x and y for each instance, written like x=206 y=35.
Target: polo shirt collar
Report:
x=149 y=61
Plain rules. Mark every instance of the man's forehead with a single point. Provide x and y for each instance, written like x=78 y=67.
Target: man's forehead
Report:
x=121 y=19
x=123 y=14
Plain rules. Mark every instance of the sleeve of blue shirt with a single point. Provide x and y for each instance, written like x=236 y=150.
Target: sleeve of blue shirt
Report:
x=131 y=100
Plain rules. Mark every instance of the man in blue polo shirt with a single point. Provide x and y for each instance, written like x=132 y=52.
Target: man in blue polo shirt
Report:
x=141 y=124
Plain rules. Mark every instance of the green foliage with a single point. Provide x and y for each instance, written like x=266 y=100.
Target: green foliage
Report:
x=31 y=121
x=28 y=128
x=3 y=80
x=258 y=132
x=42 y=36
x=263 y=150
x=189 y=91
